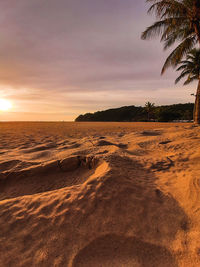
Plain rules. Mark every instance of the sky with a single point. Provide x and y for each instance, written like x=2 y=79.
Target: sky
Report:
x=62 y=58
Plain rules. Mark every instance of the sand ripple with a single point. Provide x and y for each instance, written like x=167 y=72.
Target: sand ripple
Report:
x=97 y=195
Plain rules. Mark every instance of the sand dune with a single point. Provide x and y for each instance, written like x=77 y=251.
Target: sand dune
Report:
x=99 y=194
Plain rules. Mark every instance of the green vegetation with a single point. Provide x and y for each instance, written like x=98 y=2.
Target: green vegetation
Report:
x=133 y=113
x=190 y=67
x=178 y=21
x=150 y=107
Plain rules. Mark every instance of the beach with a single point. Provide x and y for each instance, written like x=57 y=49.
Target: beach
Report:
x=99 y=194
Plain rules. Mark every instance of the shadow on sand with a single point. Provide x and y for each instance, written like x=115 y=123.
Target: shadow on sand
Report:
x=132 y=203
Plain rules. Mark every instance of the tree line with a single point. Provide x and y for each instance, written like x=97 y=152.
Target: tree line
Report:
x=149 y=112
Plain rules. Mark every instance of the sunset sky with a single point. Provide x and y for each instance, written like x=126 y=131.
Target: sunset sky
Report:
x=62 y=58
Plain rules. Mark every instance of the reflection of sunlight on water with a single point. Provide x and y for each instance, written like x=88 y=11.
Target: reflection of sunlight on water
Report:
x=5 y=105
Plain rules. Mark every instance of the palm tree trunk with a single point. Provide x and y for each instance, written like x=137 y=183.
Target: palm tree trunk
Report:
x=197 y=105
x=196 y=9
x=197 y=30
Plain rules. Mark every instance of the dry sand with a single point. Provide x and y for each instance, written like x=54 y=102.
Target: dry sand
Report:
x=99 y=194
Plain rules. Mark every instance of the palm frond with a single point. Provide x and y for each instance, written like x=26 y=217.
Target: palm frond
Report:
x=190 y=68
x=174 y=35
x=188 y=81
x=181 y=76
x=182 y=67
x=166 y=8
x=179 y=52
x=154 y=30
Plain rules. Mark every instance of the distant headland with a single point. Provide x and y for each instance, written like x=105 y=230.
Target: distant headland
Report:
x=150 y=112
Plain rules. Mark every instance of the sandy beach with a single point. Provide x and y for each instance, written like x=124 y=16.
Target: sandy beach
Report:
x=99 y=194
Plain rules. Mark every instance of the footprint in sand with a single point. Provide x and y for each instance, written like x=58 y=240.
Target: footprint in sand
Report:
x=102 y=137
x=163 y=165
x=76 y=145
x=107 y=143
x=103 y=152
x=117 y=251
x=150 y=133
x=104 y=143
x=165 y=142
x=42 y=154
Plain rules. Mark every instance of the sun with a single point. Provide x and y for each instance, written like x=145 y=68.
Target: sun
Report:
x=5 y=105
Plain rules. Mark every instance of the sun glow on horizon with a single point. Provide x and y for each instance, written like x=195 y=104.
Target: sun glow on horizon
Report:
x=5 y=105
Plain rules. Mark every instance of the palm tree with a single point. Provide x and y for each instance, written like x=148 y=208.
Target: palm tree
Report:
x=178 y=21
x=149 y=108
x=190 y=68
